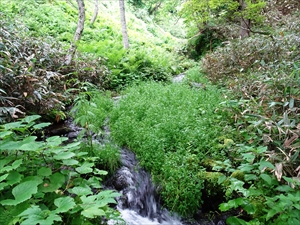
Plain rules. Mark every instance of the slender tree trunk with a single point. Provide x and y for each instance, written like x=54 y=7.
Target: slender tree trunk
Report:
x=123 y=23
x=78 y=32
x=95 y=12
x=245 y=23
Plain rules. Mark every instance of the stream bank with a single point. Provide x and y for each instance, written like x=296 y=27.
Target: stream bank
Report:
x=140 y=202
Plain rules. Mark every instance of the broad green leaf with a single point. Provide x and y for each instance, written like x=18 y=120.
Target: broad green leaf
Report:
x=55 y=141
x=249 y=208
x=13 y=177
x=64 y=155
x=70 y=162
x=253 y=191
x=13 y=125
x=8 y=144
x=92 y=211
x=64 y=204
x=221 y=179
x=224 y=207
x=85 y=168
x=250 y=177
x=56 y=181
x=29 y=119
x=87 y=200
x=41 y=125
x=237 y=184
x=81 y=190
x=261 y=149
x=33 y=210
x=3 y=185
x=100 y=172
x=4 y=162
x=284 y=188
x=44 y=171
x=22 y=192
x=35 y=215
x=108 y=194
x=82 y=154
x=14 y=166
x=235 y=221
x=29 y=144
x=265 y=164
x=271 y=212
x=267 y=178
x=3 y=177
x=5 y=133
x=74 y=145
x=246 y=168
x=94 y=182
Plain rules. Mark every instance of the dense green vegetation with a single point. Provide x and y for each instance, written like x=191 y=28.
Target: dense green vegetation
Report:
x=230 y=131
x=39 y=178
x=171 y=129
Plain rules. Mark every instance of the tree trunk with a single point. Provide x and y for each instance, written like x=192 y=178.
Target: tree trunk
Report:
x=78 y=32
x=123 y=23
x=95 y=12
x=245 y=23
x=155 y=8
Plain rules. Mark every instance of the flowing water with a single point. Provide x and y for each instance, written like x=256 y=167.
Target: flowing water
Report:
x=139 y=203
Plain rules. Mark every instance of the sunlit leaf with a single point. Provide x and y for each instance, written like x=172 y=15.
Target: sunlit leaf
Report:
x=5 y=133
x=92 y=212
x=85 y=168
x=29 y=119
x=22 y=192
x=64 y=204
x=64 y=155
x=81 y=190
x=34 y=215
x=70 y=162
x=41 y=125
x=265 y=164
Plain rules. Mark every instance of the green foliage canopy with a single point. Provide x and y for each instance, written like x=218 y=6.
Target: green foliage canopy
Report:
x=205 y=12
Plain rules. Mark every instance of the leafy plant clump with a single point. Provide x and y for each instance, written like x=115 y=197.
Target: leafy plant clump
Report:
x=171 y=128
x=33 y=76
x=90 y=111
x=262 y=172
x=261 y=195
x=48 y=181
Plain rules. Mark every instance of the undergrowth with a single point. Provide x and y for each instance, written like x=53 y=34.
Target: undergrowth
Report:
x=48 y=181
x=171 y=128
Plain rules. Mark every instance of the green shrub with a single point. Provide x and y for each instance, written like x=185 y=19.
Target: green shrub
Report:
x=108 y=157
x=32 y=71
x=91 y=109
x=257 y=53
x=262 y=197
x=165 y=124
x=48 y=181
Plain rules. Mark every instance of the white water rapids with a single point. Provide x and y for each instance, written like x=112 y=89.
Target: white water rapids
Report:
x=139 y=204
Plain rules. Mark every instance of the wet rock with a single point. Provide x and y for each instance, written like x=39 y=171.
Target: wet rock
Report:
x=179 y=78
x=197 y=85
x=121 y=180
x=65 y=128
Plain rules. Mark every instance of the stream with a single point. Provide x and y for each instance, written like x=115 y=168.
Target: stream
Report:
x=139 y=203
